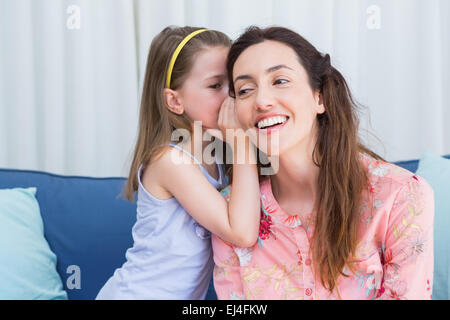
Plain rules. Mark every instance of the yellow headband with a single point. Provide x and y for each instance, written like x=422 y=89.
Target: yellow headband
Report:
x=177 y=52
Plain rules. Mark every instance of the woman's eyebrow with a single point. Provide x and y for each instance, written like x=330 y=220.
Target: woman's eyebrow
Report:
x=271 y=69
x=278 y=67
x=243 y=77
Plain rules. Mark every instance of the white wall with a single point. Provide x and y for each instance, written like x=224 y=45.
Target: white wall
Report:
x=69 y=96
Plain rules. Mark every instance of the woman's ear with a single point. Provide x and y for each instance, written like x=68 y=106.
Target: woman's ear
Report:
x=320 y=107
x=173 y=101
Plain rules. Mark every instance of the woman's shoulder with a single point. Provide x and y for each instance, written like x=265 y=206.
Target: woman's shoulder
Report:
x=389 y=178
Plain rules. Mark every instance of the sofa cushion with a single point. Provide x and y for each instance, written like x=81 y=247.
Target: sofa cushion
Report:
x=27 y=265
x=86 y=223
x=436 y=170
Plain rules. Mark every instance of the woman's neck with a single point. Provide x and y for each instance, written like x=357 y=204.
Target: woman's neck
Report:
x=294 y=186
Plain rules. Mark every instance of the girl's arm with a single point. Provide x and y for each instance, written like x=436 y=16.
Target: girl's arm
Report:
x=236 y=222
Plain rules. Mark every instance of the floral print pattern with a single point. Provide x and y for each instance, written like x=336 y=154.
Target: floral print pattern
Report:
x=394 y=254
x=265 y=224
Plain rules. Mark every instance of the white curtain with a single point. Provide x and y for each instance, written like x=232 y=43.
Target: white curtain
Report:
x=71 y=71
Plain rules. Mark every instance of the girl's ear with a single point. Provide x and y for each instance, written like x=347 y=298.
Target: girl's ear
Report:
x=173 y=101
x=320 y=107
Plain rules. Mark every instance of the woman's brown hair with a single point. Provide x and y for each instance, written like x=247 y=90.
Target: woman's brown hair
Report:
x=156 y=122
x=342 y=177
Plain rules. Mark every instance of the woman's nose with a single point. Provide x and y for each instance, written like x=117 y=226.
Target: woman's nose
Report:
x=264 y=100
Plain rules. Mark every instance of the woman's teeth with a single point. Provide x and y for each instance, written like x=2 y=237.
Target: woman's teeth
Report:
x=268 y=122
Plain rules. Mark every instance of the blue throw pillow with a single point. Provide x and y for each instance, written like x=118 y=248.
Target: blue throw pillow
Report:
x=436 y=170
x=27 y=265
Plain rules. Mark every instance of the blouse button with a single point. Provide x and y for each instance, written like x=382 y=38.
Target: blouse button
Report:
x=308 y=262
x=308 y=292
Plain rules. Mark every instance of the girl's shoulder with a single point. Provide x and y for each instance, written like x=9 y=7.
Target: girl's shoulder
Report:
x=170 y=168
x=156 y=169
x=151 y=178
x=166 y=157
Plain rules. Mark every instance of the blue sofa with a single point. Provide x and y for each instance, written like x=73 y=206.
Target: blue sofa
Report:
x=87 y=224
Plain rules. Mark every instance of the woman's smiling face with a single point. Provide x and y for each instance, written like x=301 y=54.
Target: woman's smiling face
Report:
x=274 y=98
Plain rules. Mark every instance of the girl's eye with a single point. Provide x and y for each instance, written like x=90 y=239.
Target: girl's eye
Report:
x=280 y=81
x=215 y=86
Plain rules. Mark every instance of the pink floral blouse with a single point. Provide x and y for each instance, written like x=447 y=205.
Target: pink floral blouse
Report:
x=394 y=255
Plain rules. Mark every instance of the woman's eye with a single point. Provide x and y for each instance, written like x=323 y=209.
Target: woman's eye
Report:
x=280 y=81
x=215 y=86
x=243 y=92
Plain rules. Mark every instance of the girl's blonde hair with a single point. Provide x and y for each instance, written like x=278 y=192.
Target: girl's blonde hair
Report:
x=156 y=122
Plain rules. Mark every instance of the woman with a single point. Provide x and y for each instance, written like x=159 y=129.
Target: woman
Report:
x=338 y=222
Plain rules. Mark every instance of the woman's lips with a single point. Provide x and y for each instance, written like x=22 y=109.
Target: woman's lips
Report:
x=273 y=128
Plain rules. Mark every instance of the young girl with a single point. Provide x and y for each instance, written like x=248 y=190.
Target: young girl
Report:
x=171 y=257
x=338 y=221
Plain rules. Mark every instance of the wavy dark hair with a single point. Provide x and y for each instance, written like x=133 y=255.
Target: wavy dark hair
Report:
x=342 y=177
